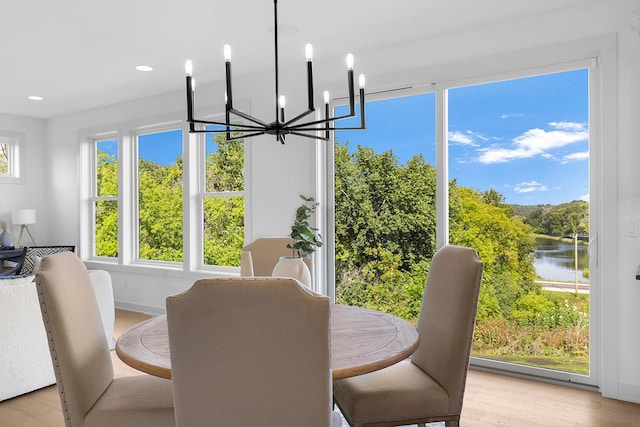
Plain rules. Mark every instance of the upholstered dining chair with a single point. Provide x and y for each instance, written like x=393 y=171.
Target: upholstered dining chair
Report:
x=89 y=393
x=429 y=387
x=265 y=254
x=250 y=351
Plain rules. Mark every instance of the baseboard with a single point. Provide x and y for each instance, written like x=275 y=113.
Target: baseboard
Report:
x=138 y=308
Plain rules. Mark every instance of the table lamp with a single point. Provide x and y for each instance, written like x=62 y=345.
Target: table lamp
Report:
x=23 y=218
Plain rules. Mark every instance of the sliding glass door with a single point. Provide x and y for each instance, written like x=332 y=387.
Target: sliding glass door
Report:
x=515 y=154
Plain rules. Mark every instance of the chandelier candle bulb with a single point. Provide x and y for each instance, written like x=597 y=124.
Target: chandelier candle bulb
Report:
x=282 y=101
x=189 y=69
x=227 y=53
x=227 y=69
x=362 y=116
x=309 y=55
x=327 y=128
x=352 y=101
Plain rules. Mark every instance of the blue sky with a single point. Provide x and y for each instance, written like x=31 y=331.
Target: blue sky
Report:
x=525 y=138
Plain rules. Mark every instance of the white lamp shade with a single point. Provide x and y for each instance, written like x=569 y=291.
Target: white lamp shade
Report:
x=23 y=216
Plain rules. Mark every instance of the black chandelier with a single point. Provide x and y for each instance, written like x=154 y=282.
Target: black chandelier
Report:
x=279 y=127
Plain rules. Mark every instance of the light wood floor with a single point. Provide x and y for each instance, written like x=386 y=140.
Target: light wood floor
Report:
x=490 y=400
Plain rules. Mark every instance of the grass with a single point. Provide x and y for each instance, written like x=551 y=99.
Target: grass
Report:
x=578 y=365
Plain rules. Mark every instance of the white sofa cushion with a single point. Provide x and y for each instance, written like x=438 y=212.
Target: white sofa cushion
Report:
x=25 y=363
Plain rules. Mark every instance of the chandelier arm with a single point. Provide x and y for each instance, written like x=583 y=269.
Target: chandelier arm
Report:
x=248 y=135
x=331 y=128
x=233 y=138
x=189 y=99
x=334 y=119
x=239 y=126
x=308 y=135
x=275 y=39
x=319 y=122
x=295 y=119
x=248 y=117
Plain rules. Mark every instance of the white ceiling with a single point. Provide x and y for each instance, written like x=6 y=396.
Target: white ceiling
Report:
x=81 y=54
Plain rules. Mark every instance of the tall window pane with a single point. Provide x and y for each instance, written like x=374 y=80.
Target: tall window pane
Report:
x=160 y=190
x=4 y=156
x=519 y=194
x=223 y=201
x=385 y=186
x=106 y=200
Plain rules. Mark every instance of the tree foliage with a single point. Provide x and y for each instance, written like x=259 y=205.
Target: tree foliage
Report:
x=160 y=207
x=565 y=219
x=385 y=239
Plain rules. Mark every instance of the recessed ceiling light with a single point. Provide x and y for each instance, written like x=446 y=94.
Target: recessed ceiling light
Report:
x=35 y=98
x=144 y=68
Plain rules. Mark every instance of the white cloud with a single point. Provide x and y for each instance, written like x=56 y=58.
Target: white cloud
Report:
x=568 y=126
x=585 y=198
x=582 y=155
x=508 y=116
x=529 y=187
x=460 y=138
x=536 y=142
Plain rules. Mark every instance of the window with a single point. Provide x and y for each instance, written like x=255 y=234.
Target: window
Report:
x=223 y=201
x=105 y=198
x=159 y=198
x=514 y=164
x=10 y=157
x=138 y=208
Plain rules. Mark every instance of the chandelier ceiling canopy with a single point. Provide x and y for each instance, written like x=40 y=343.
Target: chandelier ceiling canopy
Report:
x=280 y=127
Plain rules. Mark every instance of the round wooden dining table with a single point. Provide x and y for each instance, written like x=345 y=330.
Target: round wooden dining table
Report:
x=362 y=341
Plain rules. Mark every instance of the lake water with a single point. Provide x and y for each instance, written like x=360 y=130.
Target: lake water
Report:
x=554 y=260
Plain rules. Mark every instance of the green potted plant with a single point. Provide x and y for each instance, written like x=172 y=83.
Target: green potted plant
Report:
x=305 y=241
x=305 y=237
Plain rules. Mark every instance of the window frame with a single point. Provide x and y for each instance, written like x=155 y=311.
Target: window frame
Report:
x=194 y=169
x=94 y=198
x=599 y=55
x=15 y=157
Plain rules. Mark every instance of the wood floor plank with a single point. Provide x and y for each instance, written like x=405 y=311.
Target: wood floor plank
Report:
x=490 y=401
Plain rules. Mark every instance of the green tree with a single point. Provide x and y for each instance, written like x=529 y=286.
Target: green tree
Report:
x=224 y=216
x=4 y=158
x=385 y=234
x=106 y=211
x=380 y=203
x=160 y=211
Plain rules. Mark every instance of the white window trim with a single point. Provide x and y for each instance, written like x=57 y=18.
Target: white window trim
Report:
x=193 y=152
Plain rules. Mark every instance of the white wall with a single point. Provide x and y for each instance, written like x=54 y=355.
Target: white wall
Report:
x=279 y=173
x=29 y=194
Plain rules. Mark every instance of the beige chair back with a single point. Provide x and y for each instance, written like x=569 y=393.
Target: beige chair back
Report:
x=266 y=252
x=250 y=351
x=447 y=319
x=79 y=348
